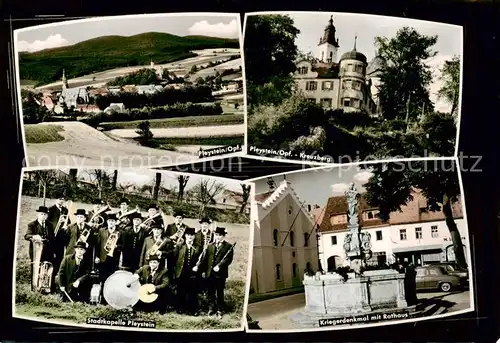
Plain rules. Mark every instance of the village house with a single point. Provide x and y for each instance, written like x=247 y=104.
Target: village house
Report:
x=416 y=234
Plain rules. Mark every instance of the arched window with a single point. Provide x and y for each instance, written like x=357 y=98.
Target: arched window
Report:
x=275 y=237
x=370 y=215
x=278 y=272
x=308 y=267
x=294 y=270
x=292 y=238
x=306 y=239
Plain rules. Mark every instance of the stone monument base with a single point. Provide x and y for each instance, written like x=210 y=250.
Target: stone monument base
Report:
x=365 y=297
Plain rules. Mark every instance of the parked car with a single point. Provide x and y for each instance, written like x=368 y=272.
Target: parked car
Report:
x=436 y=277
x=454 y=269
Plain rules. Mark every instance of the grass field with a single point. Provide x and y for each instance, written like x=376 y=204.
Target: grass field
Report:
x=223 y=119
x=50 y=307
x=35 y=133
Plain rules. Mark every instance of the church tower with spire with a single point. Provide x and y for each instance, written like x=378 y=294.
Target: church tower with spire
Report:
x=64 y=80
x=328 y=44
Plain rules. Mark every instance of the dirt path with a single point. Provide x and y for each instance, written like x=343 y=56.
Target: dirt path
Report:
x=86 y=146
x=187 y=132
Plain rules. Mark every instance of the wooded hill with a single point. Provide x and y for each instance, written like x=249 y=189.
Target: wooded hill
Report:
x=108 y=52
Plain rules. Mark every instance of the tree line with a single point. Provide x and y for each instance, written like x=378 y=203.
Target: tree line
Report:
x=196 y=200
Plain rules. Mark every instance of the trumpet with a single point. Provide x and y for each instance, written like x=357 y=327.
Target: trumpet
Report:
x=111 y=244
x=63 y=219
x=97 y=219
x=84 y=236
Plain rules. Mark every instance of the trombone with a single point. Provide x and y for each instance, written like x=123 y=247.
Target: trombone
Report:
x=63 y=219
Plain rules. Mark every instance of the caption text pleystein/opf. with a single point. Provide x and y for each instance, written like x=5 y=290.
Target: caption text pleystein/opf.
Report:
x=122 y=322
x=219 y=151
x=363 y=318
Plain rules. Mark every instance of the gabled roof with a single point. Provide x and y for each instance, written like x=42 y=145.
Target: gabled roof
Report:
x=266 y=202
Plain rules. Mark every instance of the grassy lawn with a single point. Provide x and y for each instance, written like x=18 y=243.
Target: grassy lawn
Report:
x=50 y=307
x=224 y=119
x=35 y=133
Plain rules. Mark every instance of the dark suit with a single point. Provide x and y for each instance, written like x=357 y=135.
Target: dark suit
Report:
x=132 y=243
x=221 y=257
x=47 y=233
x=161 y=283
x=59 y=242
x=34 y=228
x=72 y=235
x=202 y=240
x=107 y=264
x=173 y=228
x=166 y=250
x=69 y=272
x=187 y=290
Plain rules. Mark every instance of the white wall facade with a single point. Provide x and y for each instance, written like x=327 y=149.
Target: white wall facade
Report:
x=434 y=236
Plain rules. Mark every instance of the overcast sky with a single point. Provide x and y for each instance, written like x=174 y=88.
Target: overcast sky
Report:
x=316 y=186
x=169 y=180
x=73 y=31
x=367 y=27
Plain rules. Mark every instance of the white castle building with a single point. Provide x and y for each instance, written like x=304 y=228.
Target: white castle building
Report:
x=349 y=84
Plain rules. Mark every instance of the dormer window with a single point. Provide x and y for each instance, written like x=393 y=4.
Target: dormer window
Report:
x=302 y=70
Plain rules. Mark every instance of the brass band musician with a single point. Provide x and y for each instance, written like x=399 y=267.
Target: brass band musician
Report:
x=153 y=217
x=107 y=248
x=186 y=274
x=204 y=236
x=41 y=230
x=80 y=231
x=74 y=273
x=159 y=242
x=55 y=212
x=132 y=241
x=215 y=265
x=152 y=273
x=177 y=226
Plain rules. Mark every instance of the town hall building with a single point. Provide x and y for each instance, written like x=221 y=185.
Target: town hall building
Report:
x=349 y=83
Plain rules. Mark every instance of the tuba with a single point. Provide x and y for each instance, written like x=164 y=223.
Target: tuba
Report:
x=63 y=219
x=97 y=219
x=42 y=271
x=111 y=243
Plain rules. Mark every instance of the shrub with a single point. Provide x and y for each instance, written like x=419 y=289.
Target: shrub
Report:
x=178 y=110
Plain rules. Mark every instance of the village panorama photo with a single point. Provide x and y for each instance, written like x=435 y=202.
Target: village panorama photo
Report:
x=132 y=250
x=360 y=245
x=327 y=88
x=131 y=91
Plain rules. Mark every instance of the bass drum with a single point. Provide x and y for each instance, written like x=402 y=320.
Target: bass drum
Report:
x=121 y=290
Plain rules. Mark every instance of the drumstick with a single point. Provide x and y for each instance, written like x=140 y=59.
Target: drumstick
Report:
x=132 y=282
x=68 y=296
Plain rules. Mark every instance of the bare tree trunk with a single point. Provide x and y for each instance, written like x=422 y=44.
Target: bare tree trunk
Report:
x=39 y=187
x=156 y=189
x=73 y=175
x=115 y=179
x=44 y=192
x=458 y=247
